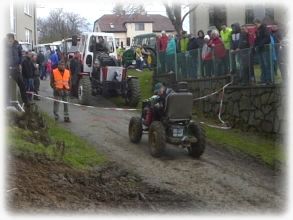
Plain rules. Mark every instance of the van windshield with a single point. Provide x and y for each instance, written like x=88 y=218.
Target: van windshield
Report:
x=26 y=47
x=105 y=43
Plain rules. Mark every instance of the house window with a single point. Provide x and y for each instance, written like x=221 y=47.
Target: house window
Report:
x=217 y=16
x=249 y=15
x=117 y=40
x=139 y=26
x=27 y=8
x=128 y=41
x=28 y=35
x=269 y=13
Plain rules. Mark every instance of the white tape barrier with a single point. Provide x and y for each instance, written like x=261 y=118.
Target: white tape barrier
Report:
x=79 y=105
x=18 y=105
x=132 y=109
x=225 y=127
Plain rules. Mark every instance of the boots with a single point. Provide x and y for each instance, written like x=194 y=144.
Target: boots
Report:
x=67 y=119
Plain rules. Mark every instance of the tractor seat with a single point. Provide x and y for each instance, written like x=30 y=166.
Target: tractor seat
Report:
x=178 y=106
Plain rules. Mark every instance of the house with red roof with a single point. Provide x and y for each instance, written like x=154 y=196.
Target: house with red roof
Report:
x=125 y=27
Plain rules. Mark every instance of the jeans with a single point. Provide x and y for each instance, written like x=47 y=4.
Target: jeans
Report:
x=192 y=63
x=139 y=64
x=15 y=75
x=64 y=96
x=162 y=60
x=207 y=68
x=170 y=58
x=42 y=72
x=29 y=87
x=219 y=66
x=264 y=60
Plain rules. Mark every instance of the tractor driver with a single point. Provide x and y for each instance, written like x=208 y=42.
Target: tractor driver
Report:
x=162 y=92
x=157 y=101
x=101 y=45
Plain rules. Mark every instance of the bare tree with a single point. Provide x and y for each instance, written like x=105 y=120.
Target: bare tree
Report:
x=122 y=9
x=118 y=9
x=173 y=11
x=59 y=25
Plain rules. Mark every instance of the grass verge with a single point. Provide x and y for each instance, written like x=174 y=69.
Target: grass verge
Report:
x=77 y=152
x=263 y=148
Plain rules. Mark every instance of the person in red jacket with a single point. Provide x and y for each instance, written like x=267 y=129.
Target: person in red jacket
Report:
x=219 y=52
x=163 y=42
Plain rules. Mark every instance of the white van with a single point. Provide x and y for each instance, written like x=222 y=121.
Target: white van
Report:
x=25 y=46
x=84 y=46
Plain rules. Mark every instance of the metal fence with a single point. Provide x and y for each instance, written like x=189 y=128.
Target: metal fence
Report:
x=247 y=66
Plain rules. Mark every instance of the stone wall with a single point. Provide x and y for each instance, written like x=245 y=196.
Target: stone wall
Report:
x=251 y=108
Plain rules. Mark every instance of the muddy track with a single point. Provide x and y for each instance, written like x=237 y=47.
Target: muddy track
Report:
x=218 y=182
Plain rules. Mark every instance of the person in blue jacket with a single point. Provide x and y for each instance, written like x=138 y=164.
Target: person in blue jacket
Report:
x=170 y=53
x=54 y=59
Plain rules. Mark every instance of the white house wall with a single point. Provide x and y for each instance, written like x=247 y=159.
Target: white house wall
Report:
x=131 y=32
x=235 y=14
x=199 y=18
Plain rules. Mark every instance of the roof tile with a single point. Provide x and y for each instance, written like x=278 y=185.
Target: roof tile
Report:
x=116 y=23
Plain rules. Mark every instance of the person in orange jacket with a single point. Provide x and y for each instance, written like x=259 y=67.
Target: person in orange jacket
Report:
x=60 y=82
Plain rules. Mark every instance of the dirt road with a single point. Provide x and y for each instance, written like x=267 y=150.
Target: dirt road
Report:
x=220 y=181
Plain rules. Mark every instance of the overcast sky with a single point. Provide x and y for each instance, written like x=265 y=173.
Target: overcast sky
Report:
x=94 y=9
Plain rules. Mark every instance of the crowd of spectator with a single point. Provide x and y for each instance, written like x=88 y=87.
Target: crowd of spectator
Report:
x=28 y=68
x=230 y=50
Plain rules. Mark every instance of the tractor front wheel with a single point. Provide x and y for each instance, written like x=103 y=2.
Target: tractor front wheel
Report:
x=133 y=92
x=135 y=129
x=157 y=139
x=84 y=90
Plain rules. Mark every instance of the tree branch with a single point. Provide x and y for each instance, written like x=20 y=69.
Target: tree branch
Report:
x=187 y=13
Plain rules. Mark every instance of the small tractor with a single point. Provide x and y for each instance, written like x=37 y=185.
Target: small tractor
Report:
x=101 y=74
x=174 y=126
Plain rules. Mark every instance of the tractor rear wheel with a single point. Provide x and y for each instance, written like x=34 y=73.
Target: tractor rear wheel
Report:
x=135 y=129
x=84 y=90
x=157 y=139
x=196 y=149
x=133 y=92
